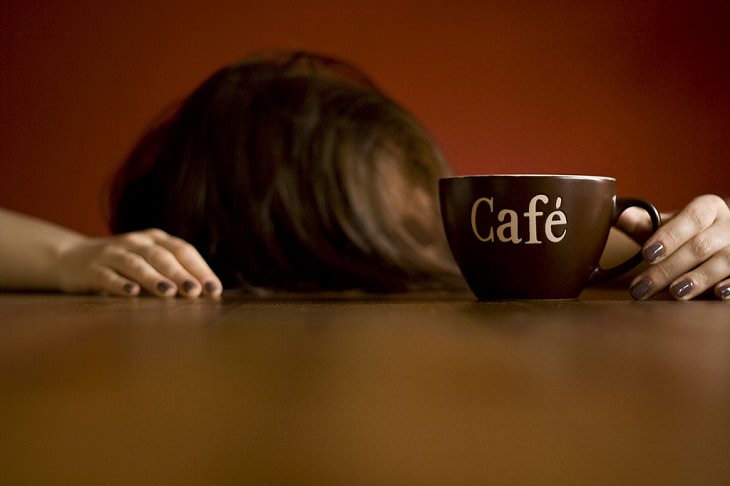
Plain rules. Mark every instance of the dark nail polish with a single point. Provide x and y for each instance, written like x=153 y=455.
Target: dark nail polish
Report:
x=725 y=292
x=653 y=251
x=188 y=286
x=129 y=288
x=210 y=288
x=163 y=287
x=641 y=289
x=682 y=288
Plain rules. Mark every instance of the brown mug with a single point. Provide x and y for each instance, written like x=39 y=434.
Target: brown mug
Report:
x=533 y=236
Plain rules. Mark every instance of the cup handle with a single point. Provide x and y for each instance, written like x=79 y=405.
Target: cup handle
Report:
x=622 y=204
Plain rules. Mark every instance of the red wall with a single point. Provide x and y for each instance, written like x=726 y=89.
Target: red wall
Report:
x=637 y=90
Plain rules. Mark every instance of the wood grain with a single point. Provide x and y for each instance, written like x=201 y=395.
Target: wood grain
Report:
x=362 y=389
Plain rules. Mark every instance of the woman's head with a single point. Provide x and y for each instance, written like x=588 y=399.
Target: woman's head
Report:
x=294 y=172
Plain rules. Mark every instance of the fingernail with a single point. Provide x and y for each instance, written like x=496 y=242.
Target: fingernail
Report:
x=725 y=292
x=641 y=289
x=129 y=288
x=188 y=286
x=653 y=251
x=682 y=288
x=163 y=287
x=210 y=288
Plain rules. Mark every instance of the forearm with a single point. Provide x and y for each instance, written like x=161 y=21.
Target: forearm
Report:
x=29 y=250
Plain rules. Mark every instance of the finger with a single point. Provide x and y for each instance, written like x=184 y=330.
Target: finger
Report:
x=154 y=234
x=704 y=246
x=143 y=243
x=169 y=266
x=135 y=238
x=703 y=277
x=137 y=269
x=107 y=280
x=193 y=262
x=636 y=223
x=722 y=290
x=697 y=216
x=700 y=248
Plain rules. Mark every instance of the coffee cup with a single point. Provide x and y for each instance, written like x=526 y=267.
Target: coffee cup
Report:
x=520 y=236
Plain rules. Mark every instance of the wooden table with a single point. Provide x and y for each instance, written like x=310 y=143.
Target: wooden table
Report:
x=426 y=389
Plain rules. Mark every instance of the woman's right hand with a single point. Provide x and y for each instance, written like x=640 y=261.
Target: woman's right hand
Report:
x=149 y=261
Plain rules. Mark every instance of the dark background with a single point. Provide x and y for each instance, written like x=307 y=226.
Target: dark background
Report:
x=636 y=89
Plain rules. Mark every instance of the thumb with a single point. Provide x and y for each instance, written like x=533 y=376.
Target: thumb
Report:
x=636 y=223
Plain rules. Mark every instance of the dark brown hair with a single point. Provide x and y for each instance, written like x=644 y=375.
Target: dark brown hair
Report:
x=293 y=171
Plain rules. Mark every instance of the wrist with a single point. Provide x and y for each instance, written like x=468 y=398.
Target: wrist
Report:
x=66 y=261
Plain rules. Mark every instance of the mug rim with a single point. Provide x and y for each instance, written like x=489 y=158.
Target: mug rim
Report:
x=534 y=176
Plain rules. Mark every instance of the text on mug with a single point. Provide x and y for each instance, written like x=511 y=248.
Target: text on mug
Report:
x=508 y=231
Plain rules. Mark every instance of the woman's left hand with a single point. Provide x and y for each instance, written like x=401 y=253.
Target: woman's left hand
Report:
x=690 y=254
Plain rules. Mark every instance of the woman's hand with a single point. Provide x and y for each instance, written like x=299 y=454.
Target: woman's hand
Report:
x=149 y=260
x=689 y=254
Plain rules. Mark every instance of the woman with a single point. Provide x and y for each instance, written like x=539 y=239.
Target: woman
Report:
x=295 y=172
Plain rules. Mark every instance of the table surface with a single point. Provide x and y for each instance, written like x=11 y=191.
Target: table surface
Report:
x=363 y=389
